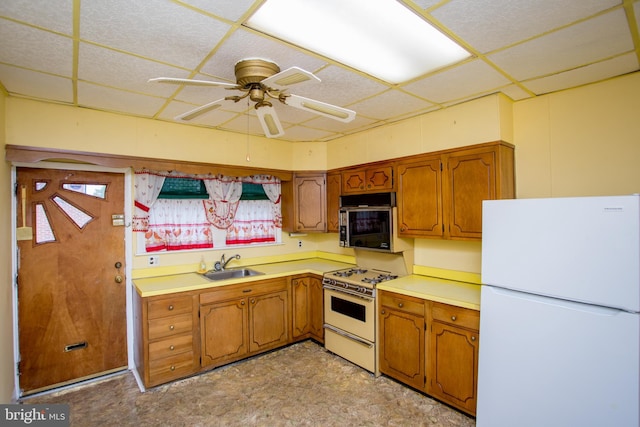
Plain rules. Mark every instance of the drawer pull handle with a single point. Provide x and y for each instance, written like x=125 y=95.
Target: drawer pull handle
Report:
x=172 y=348
x=246 y=291
x=171 y=328
x=453 y=318
x=400 y=305
x=170 y=307
x=173 y=368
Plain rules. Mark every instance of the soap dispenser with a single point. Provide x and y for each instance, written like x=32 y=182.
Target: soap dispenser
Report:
x=203 y=266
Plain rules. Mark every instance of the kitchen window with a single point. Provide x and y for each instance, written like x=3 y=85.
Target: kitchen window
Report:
x=175 y=211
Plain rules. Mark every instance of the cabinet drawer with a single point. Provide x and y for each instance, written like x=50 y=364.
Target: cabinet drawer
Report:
x=225 y=293
x=171 y=368
x=165 y=327
x=453 y=315
x=402 y=302
x=170 y=346
x=169 y=307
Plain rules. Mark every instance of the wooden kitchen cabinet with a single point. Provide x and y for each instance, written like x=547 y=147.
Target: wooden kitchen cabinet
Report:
x=240 y=320
x=402 y=338
x=453 y=359
x=304 y=203
x=440 y=195
x=307 y=307
x=166 y=346
x=372 y=179
x=334 y=189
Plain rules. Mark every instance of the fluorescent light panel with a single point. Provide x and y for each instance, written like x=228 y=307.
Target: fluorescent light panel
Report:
x=379 y=37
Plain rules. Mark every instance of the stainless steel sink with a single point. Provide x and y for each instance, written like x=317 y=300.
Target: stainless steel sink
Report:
x=231 y=273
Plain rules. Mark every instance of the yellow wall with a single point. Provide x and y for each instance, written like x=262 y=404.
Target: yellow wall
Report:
x=6 y=297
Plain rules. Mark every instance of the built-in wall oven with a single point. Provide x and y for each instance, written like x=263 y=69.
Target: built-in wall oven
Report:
x=350 y=314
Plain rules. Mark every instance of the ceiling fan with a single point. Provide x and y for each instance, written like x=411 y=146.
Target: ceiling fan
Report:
x=262 y=80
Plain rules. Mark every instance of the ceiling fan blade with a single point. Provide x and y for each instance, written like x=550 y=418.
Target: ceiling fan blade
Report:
x=269 y=121
x=331 y=111
x=190 y=82
x=288 y=77
x=192 y=114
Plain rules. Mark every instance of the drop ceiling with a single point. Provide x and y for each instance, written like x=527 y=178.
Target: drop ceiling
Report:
x=99 y=54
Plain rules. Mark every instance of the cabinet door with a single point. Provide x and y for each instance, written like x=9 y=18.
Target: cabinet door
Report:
x=379 y=178
x=419 y=198
x=268 y=327
x=310 y=203
x=401 y=346
x=316 y=308
x=453 y=366
x=334 y=186
x=224 y=331
x=471 y=179
x=300 y=304
x=353 y=181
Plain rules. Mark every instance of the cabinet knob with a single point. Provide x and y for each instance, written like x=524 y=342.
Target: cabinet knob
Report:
x=242 y=302
x=382 y=312
x=171 y=347
x=453 y=318
x=173 y=368
x=253 y=301
x=170 y=307
x=400 y=305
x=171 y=328
x=473 y=338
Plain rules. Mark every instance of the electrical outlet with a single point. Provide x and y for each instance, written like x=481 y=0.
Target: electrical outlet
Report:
x=299 y=243
x=153 y=260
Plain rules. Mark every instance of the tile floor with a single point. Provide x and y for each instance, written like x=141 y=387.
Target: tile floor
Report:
x=300 y=385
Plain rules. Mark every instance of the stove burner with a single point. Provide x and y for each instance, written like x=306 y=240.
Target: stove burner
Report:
x=349 y=272
x=379 y=278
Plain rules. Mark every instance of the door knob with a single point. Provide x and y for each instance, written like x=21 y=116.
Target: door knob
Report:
x=118 y=279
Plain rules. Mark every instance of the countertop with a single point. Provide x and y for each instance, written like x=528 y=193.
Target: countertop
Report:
x=451 y=292
x=160 y=285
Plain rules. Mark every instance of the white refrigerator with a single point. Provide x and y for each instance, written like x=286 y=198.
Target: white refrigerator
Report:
x=559 y=313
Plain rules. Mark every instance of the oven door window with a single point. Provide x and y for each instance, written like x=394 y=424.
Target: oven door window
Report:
x=348 y=308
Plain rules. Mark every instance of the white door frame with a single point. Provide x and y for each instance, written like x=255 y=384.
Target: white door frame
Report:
x=128 y=237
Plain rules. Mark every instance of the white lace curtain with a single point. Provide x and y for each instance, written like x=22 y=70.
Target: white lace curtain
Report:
x=186 y=224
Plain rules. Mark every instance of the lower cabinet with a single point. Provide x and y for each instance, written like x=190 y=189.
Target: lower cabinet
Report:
x=240 y=320
x=430 y=346
x=166 y=349
x=307 y=304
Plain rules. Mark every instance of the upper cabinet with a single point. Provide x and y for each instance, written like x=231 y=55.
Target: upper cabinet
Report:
x=371 y=179
x=334 y=187
x=304 y=199
x=440 y=195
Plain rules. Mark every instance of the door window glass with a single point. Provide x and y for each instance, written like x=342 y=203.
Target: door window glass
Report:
x=43 y=232
x=75 y=214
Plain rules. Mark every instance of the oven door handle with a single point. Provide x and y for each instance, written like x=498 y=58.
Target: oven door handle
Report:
x=347 y=292
x=349 y=336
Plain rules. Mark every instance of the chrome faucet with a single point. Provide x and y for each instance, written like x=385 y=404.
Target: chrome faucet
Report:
x=220 y=265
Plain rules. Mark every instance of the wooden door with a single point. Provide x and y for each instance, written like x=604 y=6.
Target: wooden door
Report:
x=71 y=285
x=224 y=331
x=268 y=326
x=402 y=346
x=334 y=187
x=311 y=202
x=420 y=210
x=316 y=308
x=300 y=304
x=471 y=179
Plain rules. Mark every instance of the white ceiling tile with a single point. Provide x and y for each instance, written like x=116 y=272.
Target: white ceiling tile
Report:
x=120 y=70
x=491 y=24
x=583 y=75
x=54 y=15
x=424 y=4
x=156 y=29
x=212 y=118
x=473 y=77
x=581 y=44
x=231 y=10
x=115 y=100
x=342 y=87
x=392 y=103
x=245 y=44
x=35 y=49
x=22 y=82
